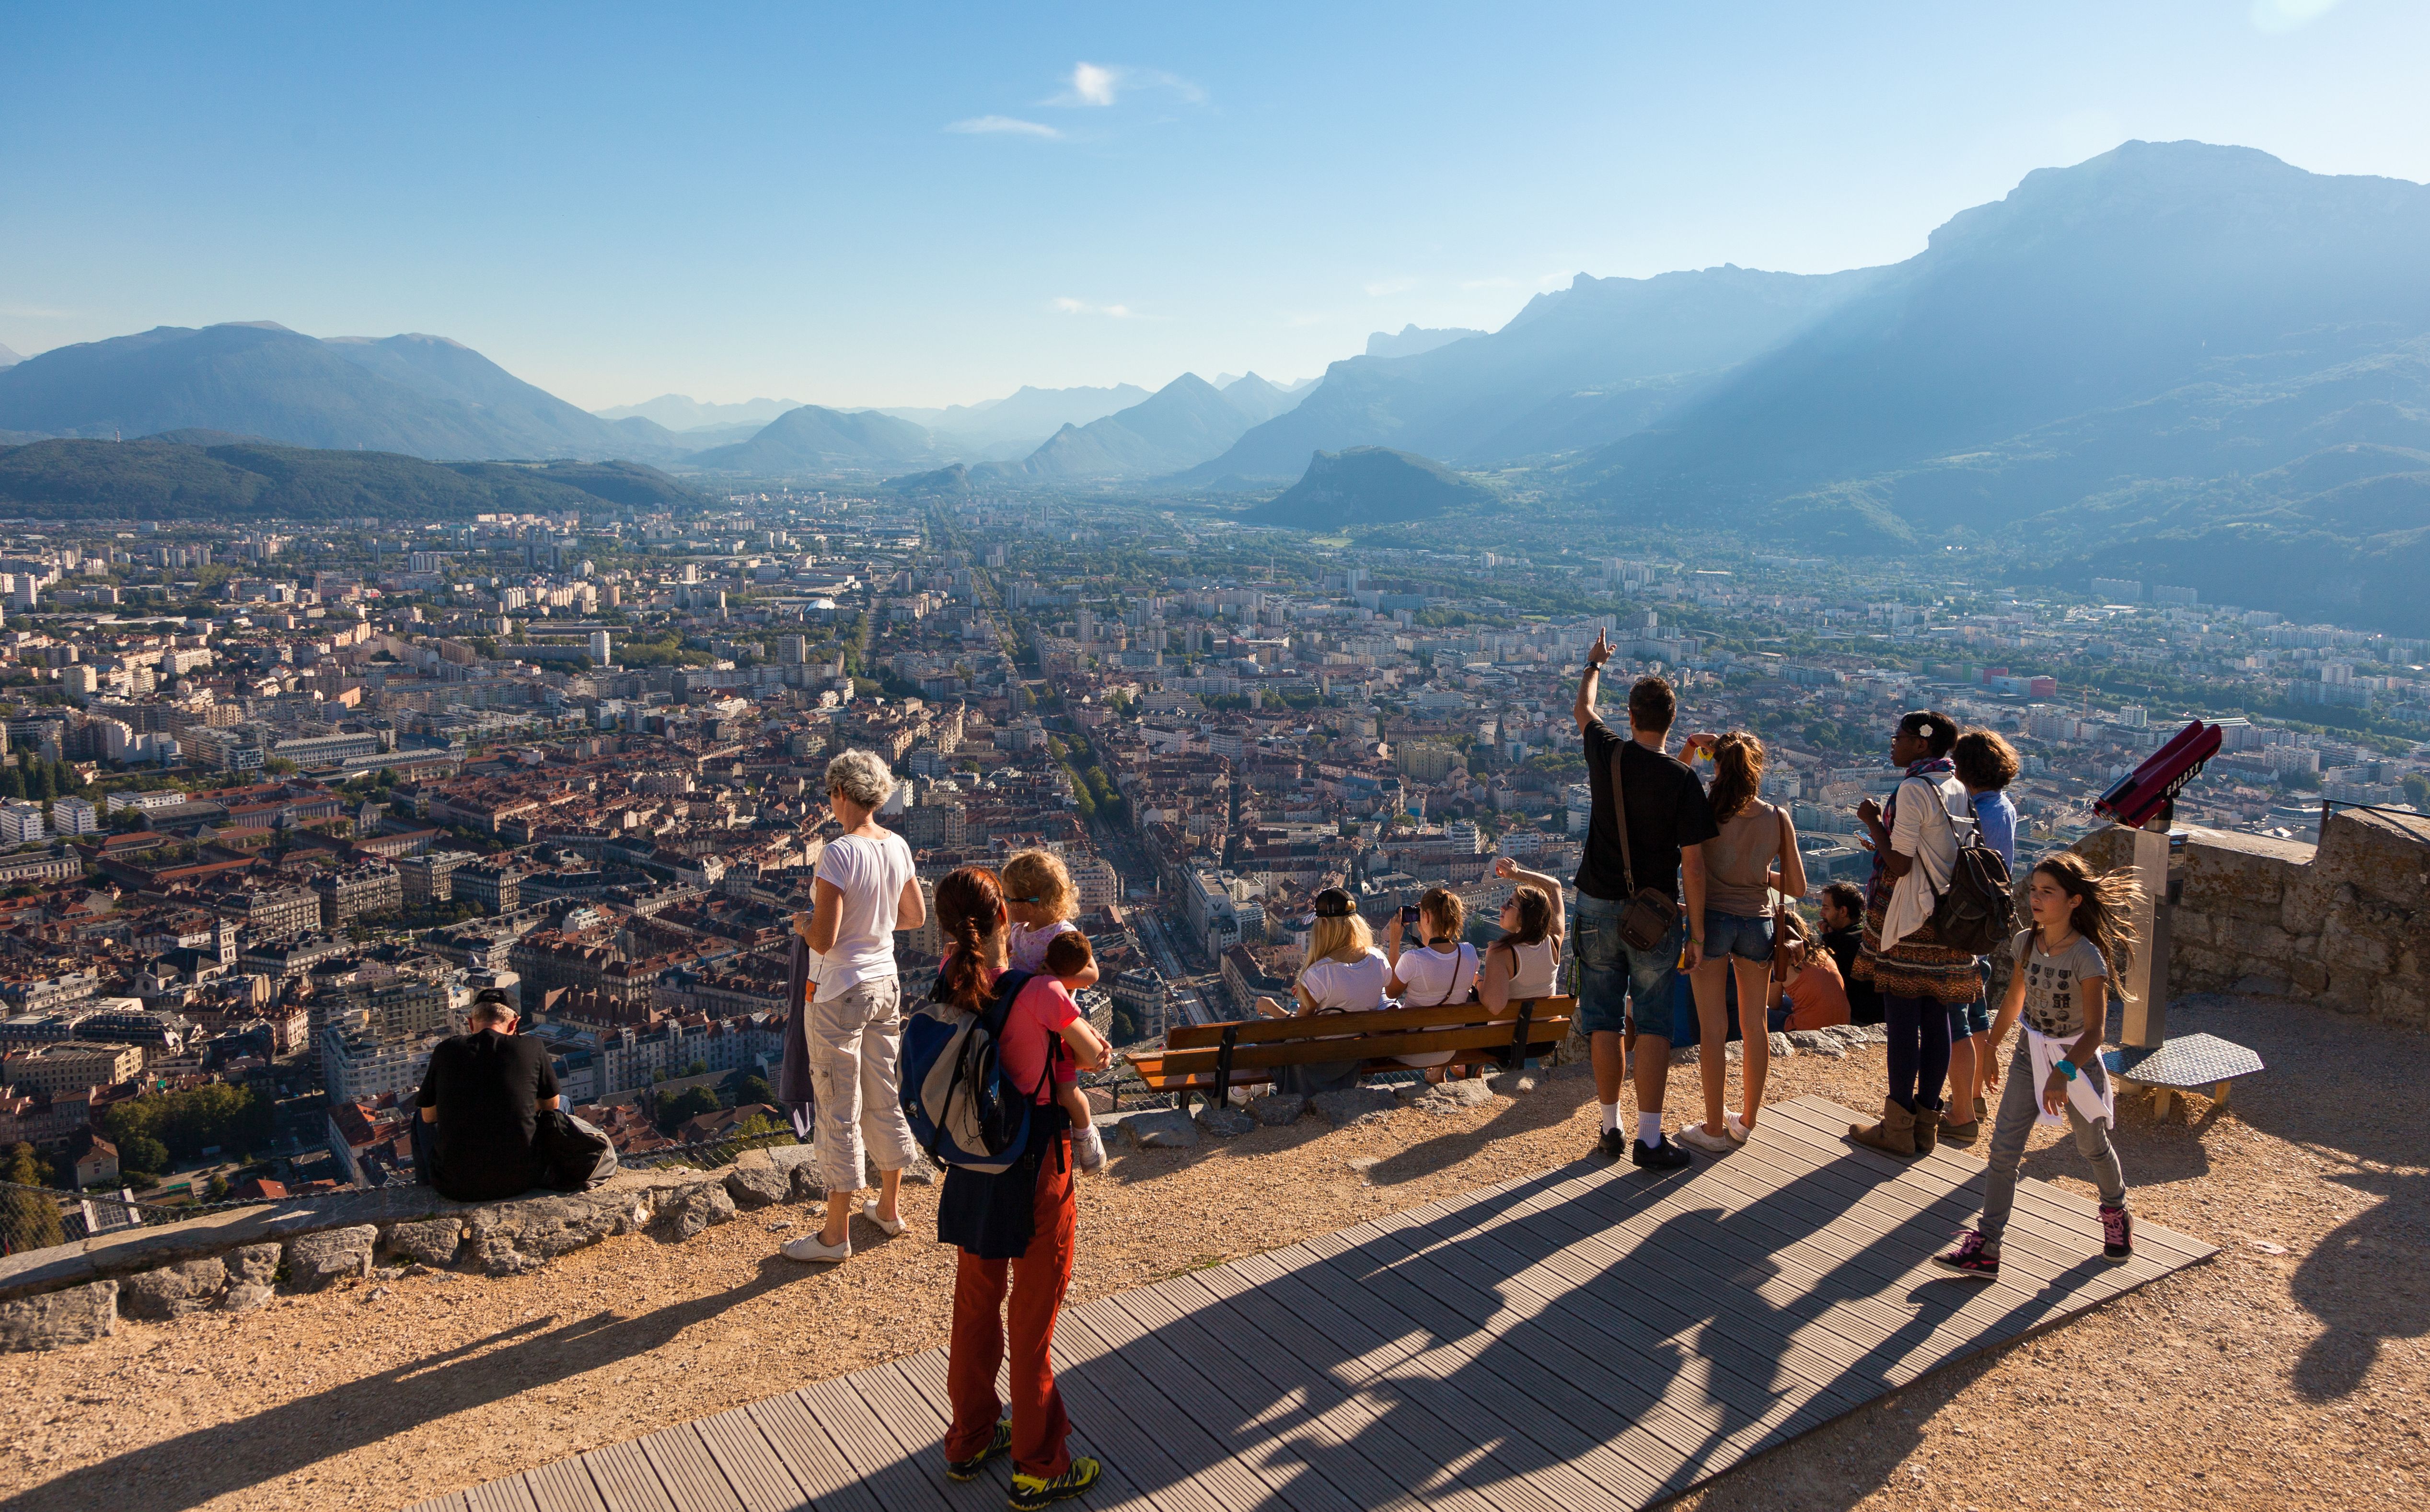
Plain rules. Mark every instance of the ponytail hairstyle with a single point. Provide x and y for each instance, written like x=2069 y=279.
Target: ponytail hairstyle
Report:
x=970 y=910
x=1535 y=922
x=1738 y=774
x=2104 y=905
x=1937 y=731
x=1443 y=906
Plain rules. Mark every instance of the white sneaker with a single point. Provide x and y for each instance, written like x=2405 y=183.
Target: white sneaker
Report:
x=813 y=1249
x=889 y=1227
x=1694 y=1137
x=1738 y=1129
x=1089 y=1149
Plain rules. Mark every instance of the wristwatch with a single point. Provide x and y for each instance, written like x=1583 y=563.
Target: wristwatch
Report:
x=2066 y=1069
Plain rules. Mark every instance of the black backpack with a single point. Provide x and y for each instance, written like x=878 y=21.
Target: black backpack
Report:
x=1977 y=911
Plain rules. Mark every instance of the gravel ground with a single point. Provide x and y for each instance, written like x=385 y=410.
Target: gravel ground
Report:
x=2291 y=1373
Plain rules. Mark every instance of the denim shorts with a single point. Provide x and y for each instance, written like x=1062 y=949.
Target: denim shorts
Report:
x=1610 y=974
x=1735 y=934
x=1974 y=1018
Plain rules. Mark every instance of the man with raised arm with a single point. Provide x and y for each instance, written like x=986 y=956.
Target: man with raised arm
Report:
x=1668 y=821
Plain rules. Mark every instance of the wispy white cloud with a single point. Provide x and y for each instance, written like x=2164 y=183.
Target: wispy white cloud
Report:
x=1080 y=307
x=1102 y=84
x=982 y=126
x=2288 y=15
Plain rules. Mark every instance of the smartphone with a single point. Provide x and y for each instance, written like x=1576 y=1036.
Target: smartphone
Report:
x=1409 y=913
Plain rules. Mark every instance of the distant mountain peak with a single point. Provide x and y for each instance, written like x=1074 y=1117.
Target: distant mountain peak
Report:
x=1371 y=485
x=1412 y=339
x=8 y=358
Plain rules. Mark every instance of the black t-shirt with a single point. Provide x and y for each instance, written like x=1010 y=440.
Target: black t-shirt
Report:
x=1667 y=812
x=488 y=1089
x=1864 y=999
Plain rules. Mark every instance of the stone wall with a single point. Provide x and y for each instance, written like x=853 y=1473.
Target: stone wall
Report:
x=2345 y=923
x=236 y=1261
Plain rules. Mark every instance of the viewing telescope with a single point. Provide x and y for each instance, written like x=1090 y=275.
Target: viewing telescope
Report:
x=2146 y=793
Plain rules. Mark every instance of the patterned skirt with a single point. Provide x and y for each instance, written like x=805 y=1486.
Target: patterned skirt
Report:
x=1917 y=967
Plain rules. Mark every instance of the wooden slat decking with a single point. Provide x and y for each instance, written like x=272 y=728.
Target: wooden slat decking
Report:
x=1589 y=1339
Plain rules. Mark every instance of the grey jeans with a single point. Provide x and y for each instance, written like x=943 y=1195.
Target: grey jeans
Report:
x=855 y=1043
x=2021 y=1103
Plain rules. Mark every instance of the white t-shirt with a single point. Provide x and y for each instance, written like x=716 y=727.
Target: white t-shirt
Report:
x=1029 y=945
x=870 y=873
x=1430 y=977
x=1356 y=986
x=1924 y=827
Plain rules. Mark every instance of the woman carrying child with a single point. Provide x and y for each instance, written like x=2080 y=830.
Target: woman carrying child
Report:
x=1023 y=1236
x=2061 y=988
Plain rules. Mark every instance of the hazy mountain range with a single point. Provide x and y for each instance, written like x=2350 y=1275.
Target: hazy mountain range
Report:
x=2192 y=362
x=681 y=412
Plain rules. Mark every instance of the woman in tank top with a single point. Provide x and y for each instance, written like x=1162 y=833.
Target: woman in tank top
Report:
x=1754 y=853
x=1526 y=961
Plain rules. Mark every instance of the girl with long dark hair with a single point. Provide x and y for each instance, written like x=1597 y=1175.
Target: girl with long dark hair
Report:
x=1017 y=1226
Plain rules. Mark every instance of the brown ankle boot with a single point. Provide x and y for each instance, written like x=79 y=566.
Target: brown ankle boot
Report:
x=1956 y=1132
x=1895 y=1133
x=1927 y=1129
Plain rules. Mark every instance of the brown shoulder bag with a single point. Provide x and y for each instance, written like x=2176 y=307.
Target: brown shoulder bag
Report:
x=1649 y=916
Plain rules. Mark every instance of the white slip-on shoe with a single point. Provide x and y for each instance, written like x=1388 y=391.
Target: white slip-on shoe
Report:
x=889 y=1227
x=814 y=1250
x=1737 y=1127
x=1694 y=1137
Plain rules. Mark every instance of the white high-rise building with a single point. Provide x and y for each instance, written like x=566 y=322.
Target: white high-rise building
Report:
x=74 y=816
x=600 y=648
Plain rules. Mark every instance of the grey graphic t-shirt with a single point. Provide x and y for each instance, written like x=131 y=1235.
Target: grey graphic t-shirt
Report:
x=2052 y=1001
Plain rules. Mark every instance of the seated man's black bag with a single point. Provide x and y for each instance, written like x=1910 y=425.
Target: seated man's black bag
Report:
x=572 y=1155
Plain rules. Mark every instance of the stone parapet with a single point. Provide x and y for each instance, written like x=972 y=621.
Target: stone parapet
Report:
x=2345 y=923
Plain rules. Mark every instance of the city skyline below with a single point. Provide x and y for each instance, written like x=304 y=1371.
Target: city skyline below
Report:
x=755 y=211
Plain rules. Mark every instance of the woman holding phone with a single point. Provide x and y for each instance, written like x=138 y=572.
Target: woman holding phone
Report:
x=1440 y=969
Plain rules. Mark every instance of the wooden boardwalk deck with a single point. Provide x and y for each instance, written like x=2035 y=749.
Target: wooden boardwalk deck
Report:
x=1589 y=1339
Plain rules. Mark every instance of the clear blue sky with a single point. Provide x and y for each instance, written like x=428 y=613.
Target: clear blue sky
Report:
x=934 y=204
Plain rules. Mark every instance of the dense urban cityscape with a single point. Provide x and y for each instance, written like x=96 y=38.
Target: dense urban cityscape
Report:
x=280 y=806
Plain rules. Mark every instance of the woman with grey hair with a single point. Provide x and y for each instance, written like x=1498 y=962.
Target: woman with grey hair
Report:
x=864 y=891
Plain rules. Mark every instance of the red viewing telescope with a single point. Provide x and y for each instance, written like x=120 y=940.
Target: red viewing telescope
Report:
x=2134 y=799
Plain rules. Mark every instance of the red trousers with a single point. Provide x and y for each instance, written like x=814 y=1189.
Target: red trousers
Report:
x=1039 y=1278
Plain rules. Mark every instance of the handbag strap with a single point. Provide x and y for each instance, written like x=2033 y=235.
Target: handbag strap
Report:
x=1620 y=819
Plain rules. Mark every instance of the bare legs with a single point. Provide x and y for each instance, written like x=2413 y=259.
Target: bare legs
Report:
x=1710 y=982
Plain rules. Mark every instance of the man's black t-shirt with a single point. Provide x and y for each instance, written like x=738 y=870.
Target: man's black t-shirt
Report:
x=488 y=1089
x=1667 y=812
x=1864 y=999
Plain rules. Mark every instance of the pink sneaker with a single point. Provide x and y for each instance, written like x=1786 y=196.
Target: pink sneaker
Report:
x=2117 y=1233
x=1970 y=1259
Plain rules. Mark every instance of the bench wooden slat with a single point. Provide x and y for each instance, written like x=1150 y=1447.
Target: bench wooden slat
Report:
x=1351 y=1047
x=1330 y=1026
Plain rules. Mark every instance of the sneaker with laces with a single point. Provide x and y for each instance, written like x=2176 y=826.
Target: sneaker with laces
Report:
x=1970 y=1259
x=1030 y=1492
x=1089 y=1149
x=1664 y=1156
x=1695 y=1137
x=2117 y=1233
x=1613 y=1145
x=965 y=1469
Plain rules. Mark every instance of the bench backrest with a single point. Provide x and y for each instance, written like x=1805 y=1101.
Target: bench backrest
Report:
x=1263 y=1043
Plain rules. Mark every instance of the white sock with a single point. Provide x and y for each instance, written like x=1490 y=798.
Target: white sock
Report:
x=1649 y=1130
x=1611 y=1118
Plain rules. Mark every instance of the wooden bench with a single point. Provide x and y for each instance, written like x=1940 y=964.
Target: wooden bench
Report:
x=1210 y=1059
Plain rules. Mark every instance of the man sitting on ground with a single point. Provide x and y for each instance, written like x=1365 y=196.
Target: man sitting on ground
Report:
x=1843 y=935
x=480 y=1102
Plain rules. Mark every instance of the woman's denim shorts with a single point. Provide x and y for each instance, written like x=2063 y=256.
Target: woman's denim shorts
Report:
x=1731 y=934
